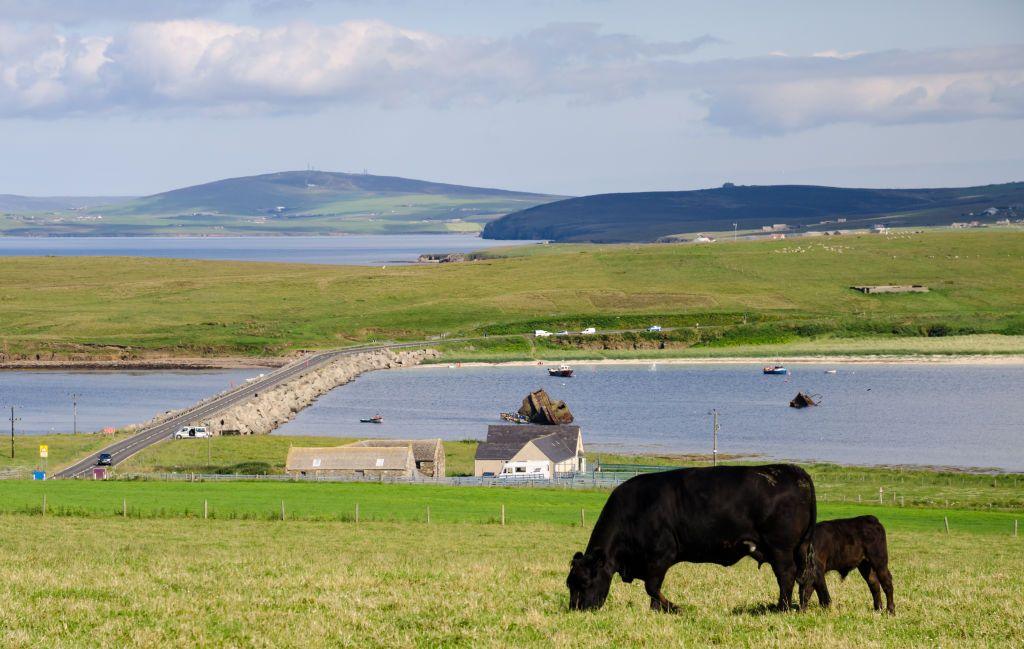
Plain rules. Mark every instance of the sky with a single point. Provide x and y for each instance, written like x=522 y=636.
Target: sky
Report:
x=133 y=97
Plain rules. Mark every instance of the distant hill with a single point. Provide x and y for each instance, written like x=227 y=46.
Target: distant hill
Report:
x=648 y=216
x=289 y=202
x=15 y=203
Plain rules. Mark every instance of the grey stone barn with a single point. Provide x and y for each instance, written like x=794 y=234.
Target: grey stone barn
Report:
x=428 y=453
x=351 y=461
x=529 y=450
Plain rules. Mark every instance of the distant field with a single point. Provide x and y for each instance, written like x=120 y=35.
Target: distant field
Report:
x=194 y=582
x=792 y=294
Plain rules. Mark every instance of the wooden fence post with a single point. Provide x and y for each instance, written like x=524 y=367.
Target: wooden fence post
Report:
x=1015 y=527
x=428 y=514
x=44 y=509
x=282 y=510
x=206 y=509
x=880 y=501
x=945 y=519
x=583 y=517
x=502 y=514
x=357 y=513
x=124 y=508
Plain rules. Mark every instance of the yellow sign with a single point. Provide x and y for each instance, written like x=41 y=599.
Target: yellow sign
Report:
x=44 y=450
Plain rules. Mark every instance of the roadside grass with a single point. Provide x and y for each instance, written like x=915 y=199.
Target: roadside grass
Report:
x=404 y=502
x=63 y=449
x=156 y=583
x=767 y=293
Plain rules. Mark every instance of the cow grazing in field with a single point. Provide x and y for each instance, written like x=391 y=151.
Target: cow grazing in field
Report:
x=853 y=543
x=708 y=515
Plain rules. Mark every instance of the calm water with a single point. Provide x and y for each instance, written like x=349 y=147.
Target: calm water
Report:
x=349 y=250
x=970 y=416
x=42 y=399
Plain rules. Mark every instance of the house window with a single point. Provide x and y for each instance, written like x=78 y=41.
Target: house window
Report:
x=316 y=462
x=520 y=469
x=380 y=462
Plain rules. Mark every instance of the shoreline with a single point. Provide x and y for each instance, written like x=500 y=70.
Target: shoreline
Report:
x=861 y=359
x=213 y=363
x=234 y=362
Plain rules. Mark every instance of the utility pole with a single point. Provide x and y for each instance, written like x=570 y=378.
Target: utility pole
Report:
x=74 y=410
x=735 y=228
x=13 y=419
x=714 y=437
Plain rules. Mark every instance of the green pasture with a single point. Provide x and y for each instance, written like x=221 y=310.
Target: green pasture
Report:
x=400 y=502
x=791 y=294
x=108 y=581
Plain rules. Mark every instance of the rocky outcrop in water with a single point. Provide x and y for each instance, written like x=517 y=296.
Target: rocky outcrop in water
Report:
x=539 y=408
x=265 y=412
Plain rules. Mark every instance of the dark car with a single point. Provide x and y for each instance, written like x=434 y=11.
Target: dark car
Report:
x=104 y=460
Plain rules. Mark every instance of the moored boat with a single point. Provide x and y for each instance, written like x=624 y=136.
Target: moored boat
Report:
x=775 y=369
x=376 y=419
x=562 y=370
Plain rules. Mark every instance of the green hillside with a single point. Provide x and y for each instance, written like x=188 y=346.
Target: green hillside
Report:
x=290 y=202
x=648 y=216
x=716 y=297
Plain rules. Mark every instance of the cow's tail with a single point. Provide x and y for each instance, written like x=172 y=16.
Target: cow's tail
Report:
x=805 y=551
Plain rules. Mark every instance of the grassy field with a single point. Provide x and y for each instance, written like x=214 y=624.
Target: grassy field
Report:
x=761 y=294
x=901 y=486
x=109 y=581
x=63 y=449
x=970 y=504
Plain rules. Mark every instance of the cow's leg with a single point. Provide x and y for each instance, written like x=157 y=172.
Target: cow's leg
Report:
x=872 y=579
x=785 y=574
x=652 y=584
x=885 y=577
x=824 y=599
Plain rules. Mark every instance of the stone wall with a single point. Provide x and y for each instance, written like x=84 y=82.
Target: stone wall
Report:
x=265 y=412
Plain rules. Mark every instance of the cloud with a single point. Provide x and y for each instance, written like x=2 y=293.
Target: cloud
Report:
x=80 y=11
x=209 y=66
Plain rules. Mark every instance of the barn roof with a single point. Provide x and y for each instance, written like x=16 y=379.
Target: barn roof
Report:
x=348 y=458
x=424 y=450
x=504 y=441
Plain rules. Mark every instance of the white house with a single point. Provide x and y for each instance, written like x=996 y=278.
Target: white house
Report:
x=530 y=451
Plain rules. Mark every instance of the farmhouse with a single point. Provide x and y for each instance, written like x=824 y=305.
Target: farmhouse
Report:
x=428 y=453
x=529 y=450
x=351 y=461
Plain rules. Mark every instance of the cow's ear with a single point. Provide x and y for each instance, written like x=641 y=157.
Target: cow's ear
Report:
x=576 y=559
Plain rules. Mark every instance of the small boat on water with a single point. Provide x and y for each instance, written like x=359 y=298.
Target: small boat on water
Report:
x=562 y=370
x=775 y=369
x=376 y=419
x=830 y=371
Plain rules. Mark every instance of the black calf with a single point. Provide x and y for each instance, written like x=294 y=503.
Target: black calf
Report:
x=849 y=543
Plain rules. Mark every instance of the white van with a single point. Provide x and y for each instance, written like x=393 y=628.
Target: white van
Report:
x=540 y=333
x=191 y=432
x=589 y=331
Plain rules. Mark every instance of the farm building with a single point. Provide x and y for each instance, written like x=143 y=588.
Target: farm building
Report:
x=351 y=461
x=530 y=451
x=428 y=453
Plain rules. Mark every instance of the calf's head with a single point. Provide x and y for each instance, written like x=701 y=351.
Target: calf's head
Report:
x=588 y=582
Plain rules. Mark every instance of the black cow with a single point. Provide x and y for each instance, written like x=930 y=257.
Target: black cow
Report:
x=849 y=543
x=708 y=515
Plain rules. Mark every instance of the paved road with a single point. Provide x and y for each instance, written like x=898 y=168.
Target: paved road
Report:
x=126 y=448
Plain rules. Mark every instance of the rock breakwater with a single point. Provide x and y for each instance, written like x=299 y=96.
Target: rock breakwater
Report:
x=268 y=410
